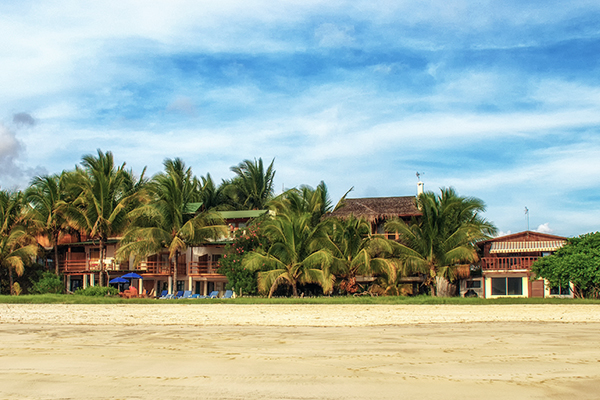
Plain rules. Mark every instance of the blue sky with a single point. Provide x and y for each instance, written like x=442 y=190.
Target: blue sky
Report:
x=499 y=100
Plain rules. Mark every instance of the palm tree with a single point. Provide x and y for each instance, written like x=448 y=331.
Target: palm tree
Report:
x=167 y=222
x=357 y=252
x=307 y=200
x=442 y=243
x=17 y=247
x=103 y=197
x=213 y=196
x=252 y=188
x=298 y=254
x=45 y=195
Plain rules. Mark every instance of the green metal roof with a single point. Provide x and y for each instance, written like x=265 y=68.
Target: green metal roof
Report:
x=242 y=214
x=192 y=208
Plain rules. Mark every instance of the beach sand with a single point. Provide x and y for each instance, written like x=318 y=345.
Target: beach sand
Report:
x=220 y=351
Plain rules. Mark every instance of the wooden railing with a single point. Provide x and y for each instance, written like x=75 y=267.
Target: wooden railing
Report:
x=71 y=266
x=203 y=267
x=145 y=267
x=506 y=263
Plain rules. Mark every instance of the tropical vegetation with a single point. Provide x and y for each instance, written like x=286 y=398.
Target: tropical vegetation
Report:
x=296 y=249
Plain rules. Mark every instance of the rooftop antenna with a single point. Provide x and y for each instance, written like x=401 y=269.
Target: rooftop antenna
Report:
x=527 y=216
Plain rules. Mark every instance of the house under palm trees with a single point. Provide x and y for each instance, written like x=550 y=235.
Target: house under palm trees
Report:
x=79 y=259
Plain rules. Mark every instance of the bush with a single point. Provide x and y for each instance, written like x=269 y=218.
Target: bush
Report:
x=231 y=264
x=97 y=291
x=48 y=283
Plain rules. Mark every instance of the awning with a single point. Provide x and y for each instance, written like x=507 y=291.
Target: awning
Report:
x=523 y=247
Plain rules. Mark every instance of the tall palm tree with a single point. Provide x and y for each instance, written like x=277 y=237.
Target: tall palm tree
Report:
x=442 y=243
x=17 y=247
x=167 y=222
x=213 y=196
x=253 y=187
x=103 y=197
x=357 y=252
x=44 y=196
x=298 y=254
x=307 y=200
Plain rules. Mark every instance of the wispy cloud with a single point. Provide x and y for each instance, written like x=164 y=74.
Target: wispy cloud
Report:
x=499 y=100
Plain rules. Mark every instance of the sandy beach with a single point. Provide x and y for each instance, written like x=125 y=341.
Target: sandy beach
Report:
x=219 y=351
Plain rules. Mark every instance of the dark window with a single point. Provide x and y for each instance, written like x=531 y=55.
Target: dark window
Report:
x=180 y=285
x=515 y=286
x=473 y=284
x=507 y=286
x=498 y=286
x=560 y=290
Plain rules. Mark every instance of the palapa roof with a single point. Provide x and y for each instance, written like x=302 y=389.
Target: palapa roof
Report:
x=376 y=208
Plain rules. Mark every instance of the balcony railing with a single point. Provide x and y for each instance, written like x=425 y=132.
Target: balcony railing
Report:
x=507 y=263
x=70 y=266
x=145 y=267
x=203 y=267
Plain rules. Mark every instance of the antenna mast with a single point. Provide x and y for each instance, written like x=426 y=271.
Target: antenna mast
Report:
x=527 y=216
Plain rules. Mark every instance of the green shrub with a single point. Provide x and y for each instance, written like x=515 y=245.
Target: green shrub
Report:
x=230 y=265
x=97 y=291
x=48 y=283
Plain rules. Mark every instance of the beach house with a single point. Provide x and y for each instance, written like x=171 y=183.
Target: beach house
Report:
x=506 y=267
x=197 y=267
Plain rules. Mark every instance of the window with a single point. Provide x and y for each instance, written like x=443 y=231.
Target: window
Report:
x=474 y=284
x=507 y=286
x=560 y=290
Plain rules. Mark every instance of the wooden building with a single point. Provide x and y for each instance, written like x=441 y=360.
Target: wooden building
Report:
x=506 y=266
x=196 y=268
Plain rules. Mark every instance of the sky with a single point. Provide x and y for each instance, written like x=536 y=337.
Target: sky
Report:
x=499 y=100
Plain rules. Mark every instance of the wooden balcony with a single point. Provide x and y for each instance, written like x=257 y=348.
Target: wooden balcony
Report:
x=84 y=266
x=507 y=263
x=203 y=268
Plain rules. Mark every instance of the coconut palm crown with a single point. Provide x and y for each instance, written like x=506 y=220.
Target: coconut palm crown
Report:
x=443 y=239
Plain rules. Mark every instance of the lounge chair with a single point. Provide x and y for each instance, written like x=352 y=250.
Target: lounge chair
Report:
x=186 y=295
x=228 y=294
x=164 y=294
x=213 y=295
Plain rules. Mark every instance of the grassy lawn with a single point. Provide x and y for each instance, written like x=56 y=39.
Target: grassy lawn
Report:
x=75 y=299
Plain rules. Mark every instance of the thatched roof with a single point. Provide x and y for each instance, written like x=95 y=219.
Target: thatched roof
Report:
x=377 y=208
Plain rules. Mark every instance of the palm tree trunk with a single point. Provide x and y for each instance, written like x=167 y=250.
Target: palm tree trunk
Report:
x=175 y=272
x=11 y=281
x=102 y=244
x=443 y=287
x=56 y=254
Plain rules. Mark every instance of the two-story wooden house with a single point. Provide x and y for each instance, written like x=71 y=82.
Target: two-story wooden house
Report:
x=506 y=266
x=196 y=268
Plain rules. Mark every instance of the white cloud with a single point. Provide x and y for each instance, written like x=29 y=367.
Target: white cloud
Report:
x=544 y=228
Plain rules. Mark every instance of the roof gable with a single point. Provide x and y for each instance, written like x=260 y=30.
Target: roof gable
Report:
x=525 y=236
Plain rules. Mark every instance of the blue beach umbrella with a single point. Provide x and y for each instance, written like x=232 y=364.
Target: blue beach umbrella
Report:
x=118 y=280
x=132 y=275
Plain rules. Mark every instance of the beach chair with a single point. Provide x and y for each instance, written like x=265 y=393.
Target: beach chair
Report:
x=179 y=294
x=187 y=294
x=164 y=294
x=213 y=295
x=228 y=294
